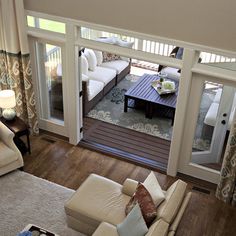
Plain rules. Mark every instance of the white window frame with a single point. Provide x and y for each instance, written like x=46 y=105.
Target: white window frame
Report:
x=188 y=66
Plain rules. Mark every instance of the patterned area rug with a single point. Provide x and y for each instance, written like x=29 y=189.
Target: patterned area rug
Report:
x=111 y=109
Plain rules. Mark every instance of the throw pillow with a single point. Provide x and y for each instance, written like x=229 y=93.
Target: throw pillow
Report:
x=110 y=40
x=91 y=57
x=107 y=56
x=84 y=65
x=133 y=224
x=153 y=187
x=144 y=199
x=124 y=43
x=99 y=57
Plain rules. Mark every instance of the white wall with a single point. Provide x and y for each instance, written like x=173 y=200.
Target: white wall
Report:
x=206 y=22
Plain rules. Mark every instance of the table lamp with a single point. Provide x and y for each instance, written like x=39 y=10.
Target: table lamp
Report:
x=7 y=103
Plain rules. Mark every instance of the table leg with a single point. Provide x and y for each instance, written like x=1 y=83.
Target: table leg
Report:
x=150 y=110
x=147 y=110
x=126 y=104
x=28 y=143
x=173 y=118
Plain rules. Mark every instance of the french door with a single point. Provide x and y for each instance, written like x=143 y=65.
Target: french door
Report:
x=211 y=109
x=50 y=85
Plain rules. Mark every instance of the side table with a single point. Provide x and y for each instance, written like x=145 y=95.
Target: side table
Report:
x=19 y=128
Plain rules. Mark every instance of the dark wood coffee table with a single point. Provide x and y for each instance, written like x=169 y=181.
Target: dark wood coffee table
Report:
x=143 y=91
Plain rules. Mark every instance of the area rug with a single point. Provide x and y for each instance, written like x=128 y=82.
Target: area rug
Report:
x=111 y=109
x=26 y=199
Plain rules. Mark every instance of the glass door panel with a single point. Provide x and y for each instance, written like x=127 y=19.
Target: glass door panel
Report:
x=215 y=116
x=50 y=81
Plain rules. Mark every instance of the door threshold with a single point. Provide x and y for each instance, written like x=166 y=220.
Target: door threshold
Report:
x=122 y=155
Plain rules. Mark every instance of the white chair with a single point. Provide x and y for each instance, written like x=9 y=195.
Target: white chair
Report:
x=10 y=156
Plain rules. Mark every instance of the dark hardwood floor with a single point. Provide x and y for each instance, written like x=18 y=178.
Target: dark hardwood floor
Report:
x=58 y=161
x=129 y=144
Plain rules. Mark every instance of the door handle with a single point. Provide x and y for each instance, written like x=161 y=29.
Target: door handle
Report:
x=225 y=114
x=223 y=122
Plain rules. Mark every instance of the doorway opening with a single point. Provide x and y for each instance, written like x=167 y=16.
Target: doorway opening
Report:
x=124 y=111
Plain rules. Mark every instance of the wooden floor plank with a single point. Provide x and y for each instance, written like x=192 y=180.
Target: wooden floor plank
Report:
x=127 y=140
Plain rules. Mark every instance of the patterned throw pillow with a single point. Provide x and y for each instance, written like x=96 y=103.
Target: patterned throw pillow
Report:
x=147 y=206
x=107 y=56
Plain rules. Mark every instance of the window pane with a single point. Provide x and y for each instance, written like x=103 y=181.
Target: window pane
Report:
x=45 y=24
x=30 y=21
x=52 y=26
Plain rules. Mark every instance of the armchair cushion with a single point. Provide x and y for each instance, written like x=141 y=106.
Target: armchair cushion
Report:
x=6 y=155
x=153 y=187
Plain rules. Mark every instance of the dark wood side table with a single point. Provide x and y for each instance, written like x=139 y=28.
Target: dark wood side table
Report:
x=19 y=128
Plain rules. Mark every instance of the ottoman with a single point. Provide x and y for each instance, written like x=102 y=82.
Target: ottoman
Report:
x=97 y=200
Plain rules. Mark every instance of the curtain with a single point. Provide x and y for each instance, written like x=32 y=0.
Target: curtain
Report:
x=226 y=190
x=15 y=67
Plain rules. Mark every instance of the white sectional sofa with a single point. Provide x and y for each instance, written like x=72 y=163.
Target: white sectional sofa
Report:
x=99 y=205
x=210 y=118
x=99 y=77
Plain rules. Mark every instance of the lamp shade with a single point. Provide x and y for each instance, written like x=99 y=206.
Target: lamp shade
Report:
x=7 y=99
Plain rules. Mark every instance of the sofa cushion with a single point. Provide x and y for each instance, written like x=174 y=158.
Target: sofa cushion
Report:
x=172 y=73
x=159 y=228
x=133 y=224
x=102 y=74
x=99 y=57
x=144 y=199
x=153 y=187
x=91 y=57
x=7 y=155
x=106 y=229
x=94 y=88
x=118 y=65
x=173 y=200
x=98 y=199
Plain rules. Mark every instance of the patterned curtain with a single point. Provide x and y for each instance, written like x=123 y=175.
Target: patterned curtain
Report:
x=15 y=68
x=226 y=190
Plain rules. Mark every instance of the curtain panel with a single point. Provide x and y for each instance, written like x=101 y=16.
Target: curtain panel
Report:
x=15 y=67
x=226 y=190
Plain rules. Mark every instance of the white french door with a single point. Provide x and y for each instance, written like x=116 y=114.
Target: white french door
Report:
x=211 y=109
x=50 y=85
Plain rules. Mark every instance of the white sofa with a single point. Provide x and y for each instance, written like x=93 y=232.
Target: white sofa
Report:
x=10 y=156
x=99 y=205
x=210 y=118
x=99 y=77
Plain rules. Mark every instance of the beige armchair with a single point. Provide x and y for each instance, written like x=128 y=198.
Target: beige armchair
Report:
x=10 y=156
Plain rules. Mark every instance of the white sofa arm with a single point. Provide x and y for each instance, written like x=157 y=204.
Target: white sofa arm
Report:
x=129 y=187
